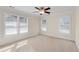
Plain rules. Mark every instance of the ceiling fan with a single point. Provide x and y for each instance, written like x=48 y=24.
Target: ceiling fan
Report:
x=42 y=10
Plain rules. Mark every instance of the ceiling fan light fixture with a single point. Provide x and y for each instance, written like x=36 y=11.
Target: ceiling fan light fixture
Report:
x=41 y=12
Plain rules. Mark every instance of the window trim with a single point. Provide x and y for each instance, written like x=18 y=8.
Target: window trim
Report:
x=17 y=25
x=26 y=25
x=6 y=15
x=67 y=30
x=43 y=24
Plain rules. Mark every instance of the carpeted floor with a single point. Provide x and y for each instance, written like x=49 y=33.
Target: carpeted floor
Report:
x=43 y=43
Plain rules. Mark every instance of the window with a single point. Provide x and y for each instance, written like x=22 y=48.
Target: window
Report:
x=11 y=24
x=15 y=24
x=44 y=25
x=23 y=21
x=65 y=24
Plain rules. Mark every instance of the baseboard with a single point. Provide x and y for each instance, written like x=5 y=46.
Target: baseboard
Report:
x=57 y=37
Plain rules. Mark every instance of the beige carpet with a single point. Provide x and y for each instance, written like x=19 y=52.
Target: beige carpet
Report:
x=43 y=43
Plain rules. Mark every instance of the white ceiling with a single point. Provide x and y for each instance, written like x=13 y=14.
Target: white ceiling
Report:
x=31 y=9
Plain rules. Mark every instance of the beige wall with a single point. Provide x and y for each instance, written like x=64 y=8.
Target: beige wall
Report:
x=53 y=25
x=77 y=27
x=33 y=26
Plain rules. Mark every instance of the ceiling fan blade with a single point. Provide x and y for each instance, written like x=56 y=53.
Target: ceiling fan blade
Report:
x=37 y=8
x=47 y=8
x=47 y=12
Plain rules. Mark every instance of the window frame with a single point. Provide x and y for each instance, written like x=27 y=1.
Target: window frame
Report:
x=26 y=24
x=6 y=15
x=45 y=25
x=65 y=30
x=17 y=25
